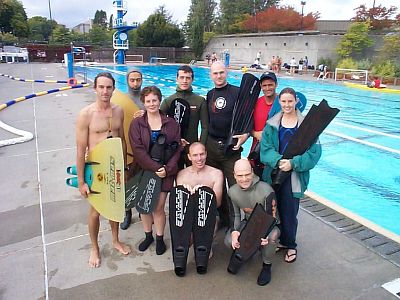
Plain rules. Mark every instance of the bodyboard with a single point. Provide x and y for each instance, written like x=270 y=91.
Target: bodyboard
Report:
x=314 y=123
x=205 y=213
x=181 y=217
x=148 y=192
x=258 y=226
x=129 y=107
x=107 y=189
x=244 y=107
x=179 y=110
x=276 y=107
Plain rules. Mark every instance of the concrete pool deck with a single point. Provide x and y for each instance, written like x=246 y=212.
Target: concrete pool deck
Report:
x=44 y=244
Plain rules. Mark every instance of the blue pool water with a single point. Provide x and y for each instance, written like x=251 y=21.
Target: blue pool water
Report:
x=360 y=165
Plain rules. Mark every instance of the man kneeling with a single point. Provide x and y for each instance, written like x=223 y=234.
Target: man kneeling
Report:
x=244 y=195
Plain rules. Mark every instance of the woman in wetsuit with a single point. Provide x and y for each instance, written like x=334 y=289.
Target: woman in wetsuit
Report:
x=143 y=133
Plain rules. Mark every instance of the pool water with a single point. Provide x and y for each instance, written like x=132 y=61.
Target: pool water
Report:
x=360 y=164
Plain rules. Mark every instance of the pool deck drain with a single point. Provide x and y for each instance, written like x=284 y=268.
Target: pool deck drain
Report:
x=376 y=242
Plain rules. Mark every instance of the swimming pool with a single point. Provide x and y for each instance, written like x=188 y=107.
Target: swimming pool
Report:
x=360 y=163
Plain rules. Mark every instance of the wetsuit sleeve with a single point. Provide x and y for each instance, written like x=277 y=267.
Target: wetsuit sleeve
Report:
x=165 y=105
x=139 y=150
x=268 y=153
x=307 y=160
x=234 y=214
x=204 y=122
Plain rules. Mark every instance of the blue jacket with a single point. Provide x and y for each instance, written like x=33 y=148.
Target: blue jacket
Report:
x=301 y=164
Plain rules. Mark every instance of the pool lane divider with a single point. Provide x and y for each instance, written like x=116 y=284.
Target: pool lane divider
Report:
x=25 y=136
x=37 y=80
x=19 y=99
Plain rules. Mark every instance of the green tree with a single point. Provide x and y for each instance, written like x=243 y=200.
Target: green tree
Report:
x=355 y=40
x=100 y=18
x=391 y=48
x=200 y=20
x=234 y=12
x=60 y=35
x=159 y=31
x=99 y=35
x=40 y=28
x=111 y=22
x=13 y=18
x=8 y=38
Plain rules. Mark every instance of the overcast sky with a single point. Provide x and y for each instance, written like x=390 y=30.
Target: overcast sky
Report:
x=73 y=12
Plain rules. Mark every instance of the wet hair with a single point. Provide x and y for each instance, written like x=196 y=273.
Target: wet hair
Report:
x=186 y=69
x=135 y=71
x=104 y=74
x=150 y=90
x=288 y=90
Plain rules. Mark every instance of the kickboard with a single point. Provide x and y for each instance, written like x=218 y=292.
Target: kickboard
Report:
x=105 y=167
x=129 y=107
x=148 y=192
x=258 y=226
x=314 y=123
x=179 y=110
x=205 y=213
x=244 y=107
x=181 y=206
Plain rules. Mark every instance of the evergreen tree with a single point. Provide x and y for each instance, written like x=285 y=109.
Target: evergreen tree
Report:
x=100 y=18
x=200 y=19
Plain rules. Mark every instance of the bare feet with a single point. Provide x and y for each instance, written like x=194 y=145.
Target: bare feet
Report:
x=94 y=259
x=122 y=248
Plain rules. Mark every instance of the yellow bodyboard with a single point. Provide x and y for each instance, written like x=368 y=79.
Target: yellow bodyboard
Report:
x=108 y=187
x=129 y=108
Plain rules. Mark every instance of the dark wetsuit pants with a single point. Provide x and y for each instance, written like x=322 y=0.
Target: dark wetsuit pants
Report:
x=288 y=208
x=217 y=158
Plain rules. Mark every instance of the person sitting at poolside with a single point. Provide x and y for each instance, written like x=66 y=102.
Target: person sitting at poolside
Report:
x=376 y=83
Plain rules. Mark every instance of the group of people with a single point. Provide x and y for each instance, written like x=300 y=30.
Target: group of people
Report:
x=201 y=159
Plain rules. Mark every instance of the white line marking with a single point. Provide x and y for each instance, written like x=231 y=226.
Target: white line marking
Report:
x=46 y=279
x=367 y=130
x=347 y=137
x=75 y=237
x=55 y=150
x=393 y=287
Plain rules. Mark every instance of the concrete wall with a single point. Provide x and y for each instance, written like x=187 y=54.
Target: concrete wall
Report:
x=243 y=48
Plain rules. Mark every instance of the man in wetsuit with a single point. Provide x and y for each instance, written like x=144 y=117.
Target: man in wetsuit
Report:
x=244 y=195
x=198 y=111
x=97 y=122
x=134 y=79
x=220 y=103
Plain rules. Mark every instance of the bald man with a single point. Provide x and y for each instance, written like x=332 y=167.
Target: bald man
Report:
x=220 y=103
x=244 y=195
x=199 y=174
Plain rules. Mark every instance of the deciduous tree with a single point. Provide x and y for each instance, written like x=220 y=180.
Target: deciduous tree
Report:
x=355 y=40
x=379 y=17
x=280 y=19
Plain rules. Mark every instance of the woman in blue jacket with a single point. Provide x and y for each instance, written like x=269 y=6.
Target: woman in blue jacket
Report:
x=275 y=137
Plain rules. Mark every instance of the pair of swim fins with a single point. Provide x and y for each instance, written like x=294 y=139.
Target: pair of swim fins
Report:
x=192 y=215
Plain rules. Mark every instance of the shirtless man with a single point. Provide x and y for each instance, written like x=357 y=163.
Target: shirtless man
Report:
x=97 y=122
x=199 y=174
